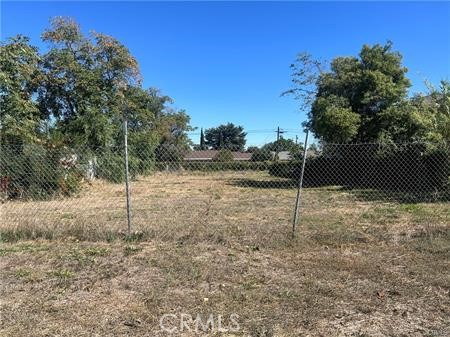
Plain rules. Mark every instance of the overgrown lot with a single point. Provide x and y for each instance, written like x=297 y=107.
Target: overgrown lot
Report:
x=219 y=243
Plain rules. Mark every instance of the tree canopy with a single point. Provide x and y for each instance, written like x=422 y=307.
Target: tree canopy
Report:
x=19 y=77
x=226 y=136
x=79 y=91
x=283 y=144
x=201 y=145
x=365 y=99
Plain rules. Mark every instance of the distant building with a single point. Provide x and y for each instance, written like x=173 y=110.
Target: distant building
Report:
x=282 y=155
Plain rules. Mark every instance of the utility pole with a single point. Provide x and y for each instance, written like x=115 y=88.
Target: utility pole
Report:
x=296 y=139
x=277 y=148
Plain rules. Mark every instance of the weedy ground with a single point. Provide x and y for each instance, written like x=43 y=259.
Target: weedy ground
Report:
x=220 y=243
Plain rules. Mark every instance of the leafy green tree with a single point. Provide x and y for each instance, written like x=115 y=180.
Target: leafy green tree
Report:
x=405 y=121
x=19 y=77
x=438 y=102
x=252 y=149
x=424 y=117
x=83 y=77
x=172 y=128
x=202 y=140
x=169 y=153
x=149 y=111
x=78 y=94
x=92 y=83
x=283 y=144
x=155 y=131
x=226 y=136
x=261 y=155
x=201 y=146
x=335 y=120
x=347 y=101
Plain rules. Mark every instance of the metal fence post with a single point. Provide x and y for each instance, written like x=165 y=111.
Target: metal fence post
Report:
x=127 y=183
x=299 y=188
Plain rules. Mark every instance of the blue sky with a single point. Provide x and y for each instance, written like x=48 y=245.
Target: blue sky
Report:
x=229 y=62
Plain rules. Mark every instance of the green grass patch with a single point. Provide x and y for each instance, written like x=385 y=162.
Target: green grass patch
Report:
x=22 y=248
x=62 y=274
x=131 y=250
x=22 y=273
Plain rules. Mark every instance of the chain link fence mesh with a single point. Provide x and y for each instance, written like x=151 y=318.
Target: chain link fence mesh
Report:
x=186 y=195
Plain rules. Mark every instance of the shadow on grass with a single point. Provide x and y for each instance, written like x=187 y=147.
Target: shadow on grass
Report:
x=361 y=194
x=403 y=197
x=264 y=184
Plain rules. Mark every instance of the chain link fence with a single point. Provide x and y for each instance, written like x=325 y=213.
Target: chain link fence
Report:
x=188 y=195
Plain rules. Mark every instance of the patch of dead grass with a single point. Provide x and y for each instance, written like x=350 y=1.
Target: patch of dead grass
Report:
x=208 y=245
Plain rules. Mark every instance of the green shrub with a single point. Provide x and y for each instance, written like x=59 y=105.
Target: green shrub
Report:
x=39 y=172
x=111 y=166
x=169 y=153
x=261 y=155
x=210 y=166
x=143 y=160
x=168 y=157
x=224 y=156
x=284 y=169
x=413 y=168
x=71 y=183
x=142 y=147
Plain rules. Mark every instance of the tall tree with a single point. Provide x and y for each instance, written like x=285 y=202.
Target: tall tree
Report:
x=439 y=103
x=92 y=82
x=347 y=100
x=82 y=80
x=202 y=140
x=19 y=77
x=226 y=136
x=423 y=117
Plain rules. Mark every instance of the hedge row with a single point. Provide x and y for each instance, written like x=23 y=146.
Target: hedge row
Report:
x=211 y=166
x=37 y=172
x=411 y=168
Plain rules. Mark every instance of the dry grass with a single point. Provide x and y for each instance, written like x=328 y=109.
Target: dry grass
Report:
x=213 y=243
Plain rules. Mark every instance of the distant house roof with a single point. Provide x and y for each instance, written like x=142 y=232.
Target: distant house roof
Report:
x=211 y=154
x=242 y=155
